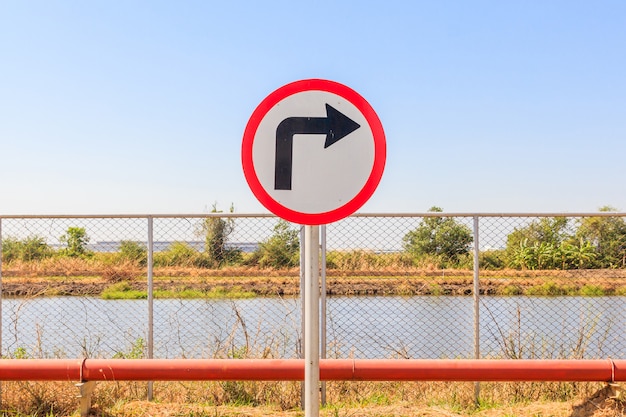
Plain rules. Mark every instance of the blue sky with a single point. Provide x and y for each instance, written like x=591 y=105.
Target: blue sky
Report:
x=128 y=107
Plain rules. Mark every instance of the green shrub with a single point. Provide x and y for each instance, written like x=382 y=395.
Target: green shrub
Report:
x=180 y=254
x=592 y=291
x=216 y=231
x=123 y=291
x=436 y=289
x=75 y=240
x=547 y=289
x=512 y=290
x=443 y=239
x=30 y=249
x=136 y=351
x=281 y=250
x=492 y=259
x=133 y=251
x=352 y=260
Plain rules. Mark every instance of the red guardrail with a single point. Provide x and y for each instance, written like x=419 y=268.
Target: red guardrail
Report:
x=607 y=370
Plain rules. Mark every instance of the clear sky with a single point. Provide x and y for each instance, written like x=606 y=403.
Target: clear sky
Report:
x=139 y=107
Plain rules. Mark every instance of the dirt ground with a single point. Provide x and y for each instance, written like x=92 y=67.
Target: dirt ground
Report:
x=602 y=404
x=273 y=286
x=264 y=286
x=75 y=277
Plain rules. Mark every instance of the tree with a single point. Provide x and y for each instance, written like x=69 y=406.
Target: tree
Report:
x=75 y=239
x=441 y=238
x=282 y=249
x=608 y=236
x=535 y=246
x=582 y=255
x=552 y=230
x=216 y=231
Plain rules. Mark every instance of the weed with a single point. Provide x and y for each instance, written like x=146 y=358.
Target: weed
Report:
x=592 y=291
x=549 y=288
x=436 y=289
x=21 y=353
x=137 y=350
x=511 y=290
x=123 y=291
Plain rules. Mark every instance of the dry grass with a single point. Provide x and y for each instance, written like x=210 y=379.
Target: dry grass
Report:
x=100 y=263
x=90 y=276
x=256 y=399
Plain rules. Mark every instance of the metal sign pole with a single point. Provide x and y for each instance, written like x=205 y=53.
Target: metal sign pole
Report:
x=301 y=347
x=323 y=305
x=311 y=321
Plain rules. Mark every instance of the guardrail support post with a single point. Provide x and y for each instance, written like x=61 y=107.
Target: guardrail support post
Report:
x=85 y=389
x=616 y=391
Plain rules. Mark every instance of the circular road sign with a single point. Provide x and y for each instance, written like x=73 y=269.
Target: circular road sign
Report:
x=313 y=152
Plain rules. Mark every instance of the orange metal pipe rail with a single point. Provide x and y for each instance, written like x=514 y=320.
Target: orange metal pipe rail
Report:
x=83 y=370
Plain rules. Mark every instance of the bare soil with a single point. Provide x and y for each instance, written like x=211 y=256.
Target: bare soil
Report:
x=289 y=285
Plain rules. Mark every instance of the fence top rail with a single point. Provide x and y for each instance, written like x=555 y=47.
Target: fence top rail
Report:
x=483 y=214
x=129 y=216
x=268 y=215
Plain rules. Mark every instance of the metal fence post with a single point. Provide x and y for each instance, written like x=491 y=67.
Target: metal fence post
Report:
x=150 y=302
x=476 y=293
x=0 y=302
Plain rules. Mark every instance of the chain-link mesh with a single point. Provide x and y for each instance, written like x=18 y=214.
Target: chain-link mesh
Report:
x=399 y=286
x=402 y=319
x=566 y=296
x=39 y=319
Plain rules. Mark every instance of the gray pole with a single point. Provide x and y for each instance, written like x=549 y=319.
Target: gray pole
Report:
x=302 y=292
x=476 y=303
x=312 y=322
x=0 y=301
x=323 y=304
x=0 y=294
x=150 y=301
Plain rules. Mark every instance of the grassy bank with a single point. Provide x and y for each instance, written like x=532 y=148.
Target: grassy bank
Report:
x=125 y=291
x=127 y=280
x=188 y=287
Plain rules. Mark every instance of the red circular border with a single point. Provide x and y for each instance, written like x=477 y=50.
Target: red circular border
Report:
x=380 y=152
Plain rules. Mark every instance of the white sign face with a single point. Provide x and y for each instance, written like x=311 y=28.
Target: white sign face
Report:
x=313 y=152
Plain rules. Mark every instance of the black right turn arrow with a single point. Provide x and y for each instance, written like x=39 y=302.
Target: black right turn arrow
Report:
x=335 y=126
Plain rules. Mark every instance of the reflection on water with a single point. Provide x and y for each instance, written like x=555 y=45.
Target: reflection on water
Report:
x=361 y=327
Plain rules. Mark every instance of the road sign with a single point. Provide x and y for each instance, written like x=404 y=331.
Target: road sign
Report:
x=313 y=151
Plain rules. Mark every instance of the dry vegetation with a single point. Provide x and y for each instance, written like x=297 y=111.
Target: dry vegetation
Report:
x=78 y=276
x=256 y=399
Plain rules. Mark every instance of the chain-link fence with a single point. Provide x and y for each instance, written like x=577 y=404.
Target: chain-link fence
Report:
x=428 y=285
